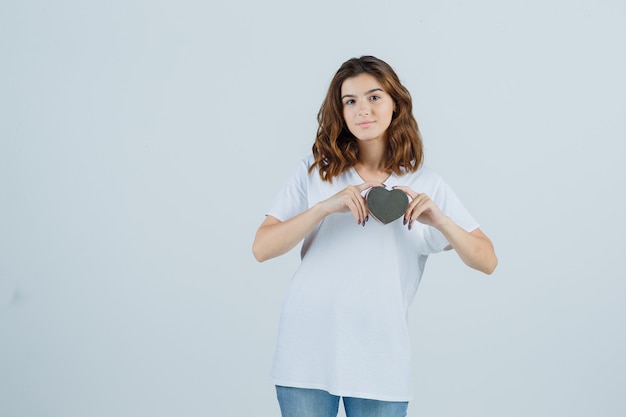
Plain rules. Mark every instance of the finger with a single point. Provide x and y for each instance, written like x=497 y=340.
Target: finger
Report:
x=353 y=204
x=411 y=208
x=415 y=209
x=361 y=198
x=358 y=208
x=408 y=191
x=363 y=207
x=353 y=208
x=368 y=185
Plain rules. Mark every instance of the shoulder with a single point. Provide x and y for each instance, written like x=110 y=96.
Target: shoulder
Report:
x=308 y=161
x=302 y=173
x=301 y=169
x=424 y=174
x=304 y=167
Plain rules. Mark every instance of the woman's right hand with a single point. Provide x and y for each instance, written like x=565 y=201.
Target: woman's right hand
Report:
x=275 y=237
x=350 y=200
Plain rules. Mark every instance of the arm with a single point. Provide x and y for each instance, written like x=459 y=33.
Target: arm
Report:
x=474 y=248
x=275 y=237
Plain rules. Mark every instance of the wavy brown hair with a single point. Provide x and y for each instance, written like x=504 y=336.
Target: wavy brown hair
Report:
x=336 y=149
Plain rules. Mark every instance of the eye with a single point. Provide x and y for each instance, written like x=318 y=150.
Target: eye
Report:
x=375 y=98
x=349 y=102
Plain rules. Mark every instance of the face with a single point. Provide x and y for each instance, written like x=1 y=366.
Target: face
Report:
x=367 y=108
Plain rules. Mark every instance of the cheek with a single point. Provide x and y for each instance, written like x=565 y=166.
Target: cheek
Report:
x=390 y=114
x=347 y=117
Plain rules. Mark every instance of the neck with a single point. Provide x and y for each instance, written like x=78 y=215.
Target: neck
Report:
x=371 y=155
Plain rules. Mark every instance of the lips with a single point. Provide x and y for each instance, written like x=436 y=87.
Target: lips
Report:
x=365 y=124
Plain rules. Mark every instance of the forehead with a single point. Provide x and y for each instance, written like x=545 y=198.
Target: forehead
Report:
x=360 y=84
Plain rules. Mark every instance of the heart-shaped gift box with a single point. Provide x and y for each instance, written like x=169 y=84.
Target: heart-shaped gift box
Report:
x=386 y=205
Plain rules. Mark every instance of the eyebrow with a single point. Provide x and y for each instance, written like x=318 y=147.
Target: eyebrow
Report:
x=366 y=93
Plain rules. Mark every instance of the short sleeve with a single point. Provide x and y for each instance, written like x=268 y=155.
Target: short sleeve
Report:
x=292 y=199
x=450 y=204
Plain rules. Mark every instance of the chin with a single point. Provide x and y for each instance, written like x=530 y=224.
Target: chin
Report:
x=368 y=138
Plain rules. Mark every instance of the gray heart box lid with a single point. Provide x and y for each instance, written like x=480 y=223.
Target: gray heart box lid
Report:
x=387 y=205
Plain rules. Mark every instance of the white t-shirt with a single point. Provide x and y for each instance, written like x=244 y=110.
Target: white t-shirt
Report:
x=343 y=326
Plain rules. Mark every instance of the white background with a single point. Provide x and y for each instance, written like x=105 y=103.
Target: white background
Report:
x=142 y=141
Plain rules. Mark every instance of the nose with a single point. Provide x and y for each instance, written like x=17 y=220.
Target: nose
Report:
x=364 y=108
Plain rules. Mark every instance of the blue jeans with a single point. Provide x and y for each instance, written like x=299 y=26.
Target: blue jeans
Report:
x=301 y=402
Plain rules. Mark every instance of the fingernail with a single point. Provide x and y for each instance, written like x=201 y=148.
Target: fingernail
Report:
x=404 y=221
x=367 y=218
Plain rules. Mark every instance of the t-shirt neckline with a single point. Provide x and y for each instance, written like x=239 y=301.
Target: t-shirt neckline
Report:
x=386 y=182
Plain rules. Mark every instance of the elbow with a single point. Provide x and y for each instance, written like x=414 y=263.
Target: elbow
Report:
x=486 y=264
x=258 y=254
x=490 y=266
x=262 y=252
x=489 y=270
x=489 y=259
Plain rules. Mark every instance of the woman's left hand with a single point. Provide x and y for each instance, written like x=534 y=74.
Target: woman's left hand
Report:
x=422 y=209
x=474 y=248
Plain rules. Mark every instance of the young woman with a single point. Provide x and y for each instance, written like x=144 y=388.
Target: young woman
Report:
x=343 y=329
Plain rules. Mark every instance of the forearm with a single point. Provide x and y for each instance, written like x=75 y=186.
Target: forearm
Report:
x=275 y=238
x=475 y=249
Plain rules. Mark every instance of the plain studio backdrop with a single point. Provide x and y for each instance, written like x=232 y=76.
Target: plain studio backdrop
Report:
x=141 y=143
